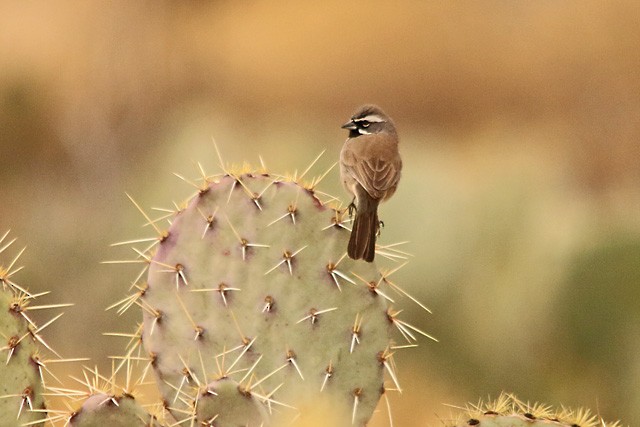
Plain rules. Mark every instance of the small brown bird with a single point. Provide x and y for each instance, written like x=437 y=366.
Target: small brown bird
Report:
x=370 y=168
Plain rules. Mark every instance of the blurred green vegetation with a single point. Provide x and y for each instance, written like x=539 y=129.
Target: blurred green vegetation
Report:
x=520 y=196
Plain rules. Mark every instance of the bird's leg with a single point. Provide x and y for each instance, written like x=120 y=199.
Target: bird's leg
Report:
x=352 y=207
x=380 y=227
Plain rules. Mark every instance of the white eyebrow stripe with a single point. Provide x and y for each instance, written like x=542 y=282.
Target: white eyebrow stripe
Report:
x=371 y=118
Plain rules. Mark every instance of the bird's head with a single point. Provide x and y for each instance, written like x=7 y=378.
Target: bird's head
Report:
x=367 y=120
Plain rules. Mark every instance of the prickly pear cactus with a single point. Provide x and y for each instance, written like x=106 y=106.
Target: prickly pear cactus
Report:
x=252 y=316
x=21 y=386
x=251 y=282
x=509 y=411
x=250 y=288
x=101 y=409
x=223 y=402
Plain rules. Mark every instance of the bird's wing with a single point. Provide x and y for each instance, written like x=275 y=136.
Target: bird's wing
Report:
x=376 y=176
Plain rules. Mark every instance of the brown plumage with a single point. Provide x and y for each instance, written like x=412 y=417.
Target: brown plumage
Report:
x=370 y=168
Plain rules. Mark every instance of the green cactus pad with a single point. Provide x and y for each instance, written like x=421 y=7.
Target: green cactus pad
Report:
x=20 y=383
x=21 y=388
x=508 y=411
x=101 y=409
x=491 y=420
x=221 y=402
x=251 y=282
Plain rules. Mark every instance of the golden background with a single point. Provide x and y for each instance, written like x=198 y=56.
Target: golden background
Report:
x=520 y=133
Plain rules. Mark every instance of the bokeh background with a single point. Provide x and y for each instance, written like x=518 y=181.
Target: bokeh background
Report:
x=520 y=197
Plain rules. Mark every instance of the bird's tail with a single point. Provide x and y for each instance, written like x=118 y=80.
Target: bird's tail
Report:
x=362 y=243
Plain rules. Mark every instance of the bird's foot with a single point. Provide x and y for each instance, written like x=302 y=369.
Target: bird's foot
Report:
x=351 y=209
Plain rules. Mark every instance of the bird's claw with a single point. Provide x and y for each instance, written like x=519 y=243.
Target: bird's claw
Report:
x=351 y=209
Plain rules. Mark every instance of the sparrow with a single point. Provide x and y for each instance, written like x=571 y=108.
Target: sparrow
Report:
x=370 y=167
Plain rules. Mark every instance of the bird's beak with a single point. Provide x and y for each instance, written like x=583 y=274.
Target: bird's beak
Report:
x=349 y=125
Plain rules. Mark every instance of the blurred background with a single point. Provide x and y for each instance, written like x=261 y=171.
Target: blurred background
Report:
x=520 y=197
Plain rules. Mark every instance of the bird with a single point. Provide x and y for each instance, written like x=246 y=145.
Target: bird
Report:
x=370 y=169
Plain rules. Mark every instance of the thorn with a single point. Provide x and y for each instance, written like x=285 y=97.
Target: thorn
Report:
x=202 y=366
x=220 y=161
x=402 y=347
x=389 y=251
x=335 y=273
x=374 y=287
x=355 y=332
x=356 y=399
x=220 y=365
x=313 y=314
x=262 y=164
x=128 y=301
x=245 y=348
x=270 y=401
x=203 y=174
x=209 y=219
x=178 y=270
x=268 y=304
x=254 y=196
x=270 y=374
x=338 y=220
x=328 y=374
x=291 y=358
x=27 y=396
x=386 y=359
x=310 y=166
x=41 y=340
x=178 y=390
x=287 y=257
x=7 y=273
x=46 y=307
x=251 y=369
x=233 y=187
x=406 y=328
x=223 y=289
x=199 y=330
x=15 y=259
x=330 y=198
x=265 y=189
x=291 y=213
x=162 y=235
x=209 y=422
x=11 y=345
x=386 y=400
x=267 y=399
x=8 y=244
x=157 y=316
x=244 y=243
x=385 y=278
x=243 y=337
x=316 y=181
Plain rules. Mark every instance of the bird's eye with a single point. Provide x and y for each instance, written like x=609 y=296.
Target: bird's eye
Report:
x=365 y=124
